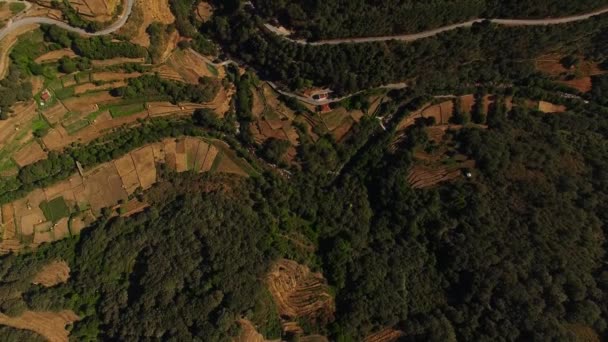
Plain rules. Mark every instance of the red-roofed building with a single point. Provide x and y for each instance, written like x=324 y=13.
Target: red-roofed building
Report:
x=45 y=96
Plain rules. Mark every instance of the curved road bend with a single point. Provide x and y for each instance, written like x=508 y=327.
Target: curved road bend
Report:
x=434 y=32
x=14 y=25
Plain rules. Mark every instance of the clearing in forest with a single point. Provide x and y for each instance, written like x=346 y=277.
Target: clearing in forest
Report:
x=548 y=107
x=300 y=293
x=57 y=272
x=50 y=325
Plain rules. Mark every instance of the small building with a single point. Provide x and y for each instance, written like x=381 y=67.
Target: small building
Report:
x=45 y=96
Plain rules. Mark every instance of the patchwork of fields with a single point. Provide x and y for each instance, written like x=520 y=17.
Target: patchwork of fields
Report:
x=64 y=209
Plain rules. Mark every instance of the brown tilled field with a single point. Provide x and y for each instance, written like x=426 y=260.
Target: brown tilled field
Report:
x=54 y=114
x=300 y=293
x=29 y=154
x=55 y=273
x=145 y=166
x=50 y=325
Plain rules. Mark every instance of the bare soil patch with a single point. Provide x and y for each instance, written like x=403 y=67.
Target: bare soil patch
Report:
x=548 y=107
x=204 y=11
x=50 y=325
x=55 y=273
x=298 y=292
x=584 y=85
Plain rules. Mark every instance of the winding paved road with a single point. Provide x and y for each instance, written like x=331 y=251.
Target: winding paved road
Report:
x=434 y=32
x=21 y=22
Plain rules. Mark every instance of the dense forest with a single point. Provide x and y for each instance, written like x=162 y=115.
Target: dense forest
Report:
x=363 y=18
x=516 y=253
x=484 y=54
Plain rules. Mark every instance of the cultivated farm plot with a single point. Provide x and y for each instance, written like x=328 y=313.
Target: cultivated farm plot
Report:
x=65 y=208
x=50 y=325
x=299 y=293
x=422 y=176
x=29 y=154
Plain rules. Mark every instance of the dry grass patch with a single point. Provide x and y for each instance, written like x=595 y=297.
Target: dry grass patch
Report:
x=153 y=10
x=189 y=66
x=298 y=292
x=385 y=335
x=50 y=325
x=116 y=61
x=96 y=10
x=107 y=76
x=248 y=333
x=87 y=87
x=57 y=272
